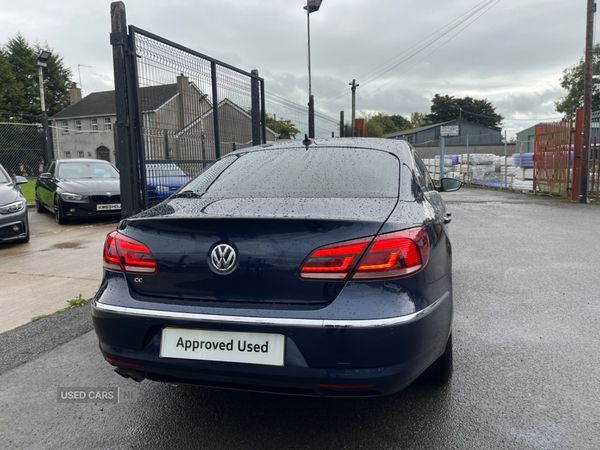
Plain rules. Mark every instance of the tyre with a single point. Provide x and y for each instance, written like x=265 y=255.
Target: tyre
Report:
x=440 y=371
x=39 y=207
x=58 y=212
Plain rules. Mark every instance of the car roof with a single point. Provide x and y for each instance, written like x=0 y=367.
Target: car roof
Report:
x=398 y=147
x=88 y=160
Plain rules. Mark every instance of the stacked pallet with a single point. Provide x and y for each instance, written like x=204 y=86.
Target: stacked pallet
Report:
x=434 y=167
x=524 y=172
x=475 y=167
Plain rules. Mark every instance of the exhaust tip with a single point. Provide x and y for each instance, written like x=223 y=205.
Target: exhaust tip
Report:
x=135 y=375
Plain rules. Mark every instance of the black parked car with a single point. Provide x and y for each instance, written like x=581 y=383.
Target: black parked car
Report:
x=317 y=271
x=14 y=225
x=76 y=188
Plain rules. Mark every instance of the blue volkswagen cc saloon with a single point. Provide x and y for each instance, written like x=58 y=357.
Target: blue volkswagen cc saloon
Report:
x=305 y=267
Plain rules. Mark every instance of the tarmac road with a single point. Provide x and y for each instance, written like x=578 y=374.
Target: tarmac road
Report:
x=59 y=263
x=526 y=361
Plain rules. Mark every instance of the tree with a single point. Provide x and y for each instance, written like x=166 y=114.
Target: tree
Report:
x=572 y=80
x=381 y=124
x=401 y=122
x=374 y=128
x=481 y=111
x=9 y=89
x=285 y=128
x=418 y=119
x=21 y=95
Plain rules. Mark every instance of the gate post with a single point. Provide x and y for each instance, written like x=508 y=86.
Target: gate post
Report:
x=311 y=117
x=118 y=40
x=342 y=124
x=255 y=101
x=213 y=76
x=577 y=155
x=263 y=112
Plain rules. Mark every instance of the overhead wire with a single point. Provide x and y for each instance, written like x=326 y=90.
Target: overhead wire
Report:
x=441 y=30
x=495 y=2
x=427 y=42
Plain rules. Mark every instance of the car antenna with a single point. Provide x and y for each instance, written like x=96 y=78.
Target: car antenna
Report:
x=307 y=141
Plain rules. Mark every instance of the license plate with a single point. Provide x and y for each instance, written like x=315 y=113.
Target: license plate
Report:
x=227 y=346
x=110 y=207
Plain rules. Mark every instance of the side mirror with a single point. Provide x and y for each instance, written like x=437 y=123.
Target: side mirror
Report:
x=449 y=185
x=46 y=176
x=20 y=180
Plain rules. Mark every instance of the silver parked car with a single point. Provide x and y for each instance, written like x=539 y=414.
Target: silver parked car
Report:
x=14 y=226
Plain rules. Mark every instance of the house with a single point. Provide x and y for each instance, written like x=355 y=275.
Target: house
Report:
x=455 y=132
x=526 y=140
x=177 y=122
x=85 y=128
x=235 y=131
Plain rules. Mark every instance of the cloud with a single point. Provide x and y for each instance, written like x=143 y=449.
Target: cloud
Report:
x=513 y=55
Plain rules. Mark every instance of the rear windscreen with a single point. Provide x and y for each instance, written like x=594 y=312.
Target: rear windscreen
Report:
x=313 y=173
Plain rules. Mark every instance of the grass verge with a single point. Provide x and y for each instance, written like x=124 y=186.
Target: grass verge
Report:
x=28 y=190
x=77 y=301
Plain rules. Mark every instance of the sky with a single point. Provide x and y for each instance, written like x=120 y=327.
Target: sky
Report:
x=512 y=52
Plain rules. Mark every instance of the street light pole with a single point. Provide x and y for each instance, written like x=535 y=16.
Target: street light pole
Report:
x=311 y=6
x=42 y=62
x=308 y=27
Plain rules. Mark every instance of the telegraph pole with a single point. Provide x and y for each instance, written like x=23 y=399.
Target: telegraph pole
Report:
x=587 y=104
x=354 y=86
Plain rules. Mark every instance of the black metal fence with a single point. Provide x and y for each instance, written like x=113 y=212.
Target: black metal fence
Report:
x=178 y=110
x=22 y=148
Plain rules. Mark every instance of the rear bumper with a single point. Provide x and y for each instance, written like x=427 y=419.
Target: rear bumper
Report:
x=381 y=354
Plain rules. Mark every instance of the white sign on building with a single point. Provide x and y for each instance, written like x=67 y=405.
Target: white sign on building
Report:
x=449 y=130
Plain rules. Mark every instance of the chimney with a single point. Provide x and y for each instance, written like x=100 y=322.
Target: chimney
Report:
x=183 y=87
x=75 y=94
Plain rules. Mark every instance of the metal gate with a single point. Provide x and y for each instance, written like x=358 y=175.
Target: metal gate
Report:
x=594 y=165
x=177 y=111
x=553 y=158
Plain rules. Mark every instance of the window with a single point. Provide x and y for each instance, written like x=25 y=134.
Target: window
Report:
x=423 y=175
x=411 y=138
x=78 y=126
x=65 y=126
x=81 y=170
x=94 y=124
x=51 y=168
x=80 y=154
x=107 y=124
x=326 y=173
x=67 y=154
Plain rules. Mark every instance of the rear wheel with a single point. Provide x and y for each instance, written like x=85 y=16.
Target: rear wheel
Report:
x=39 y=207
x=58 y=212
x=440 y=371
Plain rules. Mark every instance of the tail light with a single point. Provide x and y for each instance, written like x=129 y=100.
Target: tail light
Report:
x=395 y=255
x=334 y=262
x=123 y=254
x=392 y=255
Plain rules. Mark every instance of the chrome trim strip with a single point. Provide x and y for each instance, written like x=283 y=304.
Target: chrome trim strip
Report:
x=316 y=323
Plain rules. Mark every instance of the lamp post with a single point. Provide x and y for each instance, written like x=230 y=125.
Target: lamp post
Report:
x=311 y=6
x=41 y=62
